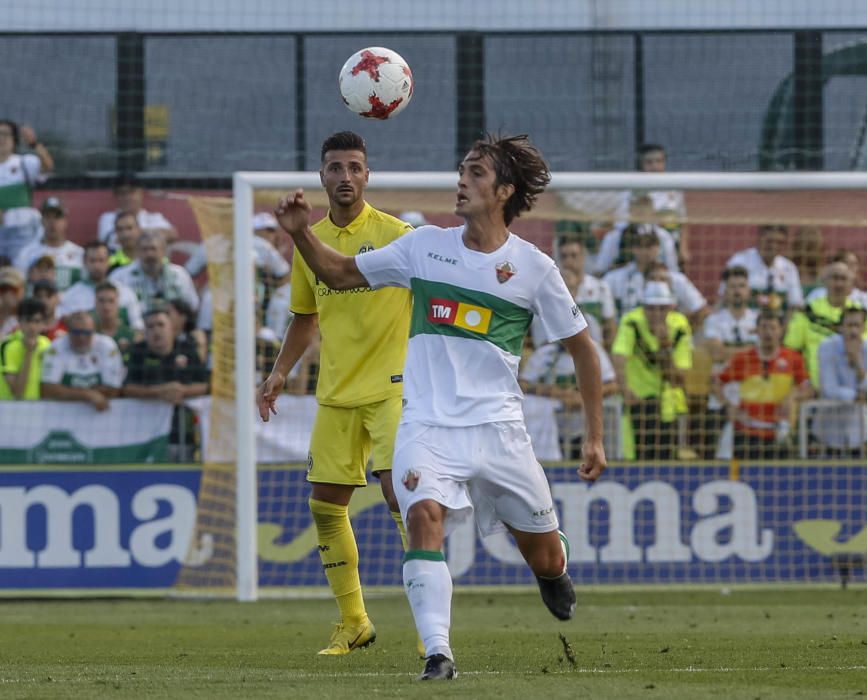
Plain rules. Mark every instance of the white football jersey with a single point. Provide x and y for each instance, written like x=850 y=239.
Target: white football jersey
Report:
x=781 y=277
x=68 y=260
x=81 y=296
x=101 y=365
x=470 y=313
x=731 y=332
x=627 y=286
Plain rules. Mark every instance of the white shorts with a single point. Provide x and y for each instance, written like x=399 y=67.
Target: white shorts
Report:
x=488 y=468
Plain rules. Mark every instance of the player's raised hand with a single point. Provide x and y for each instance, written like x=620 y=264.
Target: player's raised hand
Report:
x=266 y=396
x=594 y=463
x=293 y=212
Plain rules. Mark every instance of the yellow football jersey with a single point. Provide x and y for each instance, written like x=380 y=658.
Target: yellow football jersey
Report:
x=364 y=332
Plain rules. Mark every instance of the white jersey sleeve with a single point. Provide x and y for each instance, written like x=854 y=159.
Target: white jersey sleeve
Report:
x=105 y=225
x=608 y=250
x=391 y=265
x=609 y=309
x=111 y=370
x=558 y=314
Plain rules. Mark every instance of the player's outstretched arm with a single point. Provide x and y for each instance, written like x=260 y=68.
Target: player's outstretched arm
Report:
x=298 y=337
x=580 y=346
x=336 y=270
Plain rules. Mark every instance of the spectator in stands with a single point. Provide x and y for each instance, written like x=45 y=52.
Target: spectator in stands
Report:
x=11 y=293
x=82 y=365
x=592 y=294
x=21 y=354
x=550 y=372
x=110 y=319
x=614 y=251
x=162 y=368
x=127 y=232
x=19 y=174
x=129 y=197
x=667 y=205
x=183 y=320
x=808 y=254
x=46 y=292
x=690 y=302
x=850 y=259
x=843 y=376
x=43 y=269
x=821 y=317
x=627 y=282
x=774 y=279
x=773 y=379
x=82 y=295
x=68 y=256
x=728 y=331
x=651 y=353
x=278 y=314
x=153 y=278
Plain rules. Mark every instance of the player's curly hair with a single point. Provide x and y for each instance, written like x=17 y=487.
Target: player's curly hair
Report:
x=516 y=162
x=343 y=141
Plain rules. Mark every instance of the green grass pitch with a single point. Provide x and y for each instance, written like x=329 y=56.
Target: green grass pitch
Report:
x=670 y=643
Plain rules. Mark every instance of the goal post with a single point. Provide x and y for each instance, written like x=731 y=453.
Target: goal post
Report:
x=428 y=192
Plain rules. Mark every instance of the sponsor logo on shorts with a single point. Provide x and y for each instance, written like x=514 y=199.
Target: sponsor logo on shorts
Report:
x=410 y=479
x=457 y=313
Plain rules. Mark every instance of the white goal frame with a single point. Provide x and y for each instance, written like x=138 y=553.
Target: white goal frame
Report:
x=243 y=186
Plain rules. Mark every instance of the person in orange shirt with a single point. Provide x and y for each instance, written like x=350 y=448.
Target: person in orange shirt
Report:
x=772 y=379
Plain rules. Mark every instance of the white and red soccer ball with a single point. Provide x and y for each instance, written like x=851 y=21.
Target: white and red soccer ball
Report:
x=376 y=83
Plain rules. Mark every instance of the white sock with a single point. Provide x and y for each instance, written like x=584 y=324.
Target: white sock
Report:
x=428 y=586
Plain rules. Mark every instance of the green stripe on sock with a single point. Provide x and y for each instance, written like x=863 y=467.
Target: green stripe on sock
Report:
x=425 y=554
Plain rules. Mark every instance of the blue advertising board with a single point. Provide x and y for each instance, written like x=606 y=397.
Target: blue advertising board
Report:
x=131 y=528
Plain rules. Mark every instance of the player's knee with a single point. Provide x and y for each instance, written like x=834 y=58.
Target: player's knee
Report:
x=546 y=559
x=424 y=525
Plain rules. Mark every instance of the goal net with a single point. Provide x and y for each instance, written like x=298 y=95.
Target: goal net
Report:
x=700 y=512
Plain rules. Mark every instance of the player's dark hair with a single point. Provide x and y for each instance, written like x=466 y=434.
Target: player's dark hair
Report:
x=766 y=313
x=343 y=141
x=736 y=271
x=103 y=286
x=94 y=244
x=14 y=128
x=519 y=163
x=850 y=310
x=185 y=310
x=124 y=214
x=646 y=148
x=154 y=311
x=772 y=228
x=30 y=307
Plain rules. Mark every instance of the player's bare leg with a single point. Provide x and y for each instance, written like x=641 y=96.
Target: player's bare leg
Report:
x=428 y=586
x=329 y=505
x=547 y=553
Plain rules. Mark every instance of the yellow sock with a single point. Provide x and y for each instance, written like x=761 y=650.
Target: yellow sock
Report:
x=339 y=555
x=395 y=515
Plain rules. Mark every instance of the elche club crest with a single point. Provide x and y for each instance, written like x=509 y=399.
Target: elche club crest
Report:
x=505 y=271
x=411 y=478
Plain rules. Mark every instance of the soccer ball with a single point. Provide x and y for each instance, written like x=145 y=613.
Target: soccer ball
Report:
x=376 y=83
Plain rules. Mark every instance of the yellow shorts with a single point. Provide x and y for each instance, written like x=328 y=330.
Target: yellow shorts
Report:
x=343 y=439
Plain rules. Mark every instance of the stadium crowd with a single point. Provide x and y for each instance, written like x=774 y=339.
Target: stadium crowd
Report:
x=683 y=377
